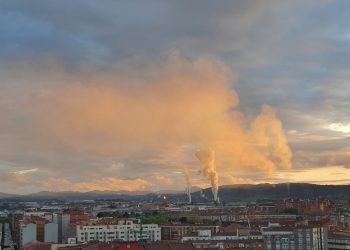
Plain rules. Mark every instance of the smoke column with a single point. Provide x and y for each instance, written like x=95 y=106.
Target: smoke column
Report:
x=188 y=184
x=207 y=158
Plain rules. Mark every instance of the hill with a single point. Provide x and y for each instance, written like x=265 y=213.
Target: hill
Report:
x=276 y=191
x=227 y=193
x=6 y=195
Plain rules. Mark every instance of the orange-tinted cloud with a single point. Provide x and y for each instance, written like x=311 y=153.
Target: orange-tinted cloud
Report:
x=179 y=103
x=14 y=179
x=108 y=183
x=163 y=180
x=230 y=179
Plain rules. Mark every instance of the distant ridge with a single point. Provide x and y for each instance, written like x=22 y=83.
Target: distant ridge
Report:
x=6 y=195
x=227 y=193
x=250 y=192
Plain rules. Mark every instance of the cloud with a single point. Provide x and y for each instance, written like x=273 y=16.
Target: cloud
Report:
x=163 y=180
x=341 y=127
x=107 y=183
x=323 y=158
x=325 y=175
x=109 y=52
x=14 y=179
x=230 y=179
x=26 y=171
x=165 y=106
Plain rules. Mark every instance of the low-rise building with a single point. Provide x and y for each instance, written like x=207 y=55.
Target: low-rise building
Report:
x=175 y=231
x=229 y=244
x=306 y=207
x=37 y=245
x=339 y=241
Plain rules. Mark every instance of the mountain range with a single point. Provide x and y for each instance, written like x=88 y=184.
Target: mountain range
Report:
x=228 y=193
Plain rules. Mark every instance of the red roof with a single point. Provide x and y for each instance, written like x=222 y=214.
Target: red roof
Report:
x=36 y=244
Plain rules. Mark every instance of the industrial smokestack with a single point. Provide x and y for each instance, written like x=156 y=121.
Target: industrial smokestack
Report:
x=207 y=158
x=189 y=194
x=188 y=184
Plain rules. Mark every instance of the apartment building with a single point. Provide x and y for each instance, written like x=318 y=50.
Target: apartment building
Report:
x=63 y=221
x=32 y=229
x=123 y=230
x=175 y=231
x=339 y=241
x=27 y=233
x=51 y=232
x=310 y=236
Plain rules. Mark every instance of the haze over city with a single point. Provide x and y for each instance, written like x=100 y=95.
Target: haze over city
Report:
x=162 y=95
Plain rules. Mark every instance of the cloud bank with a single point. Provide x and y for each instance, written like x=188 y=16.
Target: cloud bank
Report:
x=174 y=107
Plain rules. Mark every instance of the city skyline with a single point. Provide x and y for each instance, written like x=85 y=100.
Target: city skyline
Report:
x=126 y=95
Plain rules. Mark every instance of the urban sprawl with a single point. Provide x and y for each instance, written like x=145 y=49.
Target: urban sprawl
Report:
x=112 y=225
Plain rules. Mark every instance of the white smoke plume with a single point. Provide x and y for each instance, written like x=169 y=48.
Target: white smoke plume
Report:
x=207 y=158
x=186 y=174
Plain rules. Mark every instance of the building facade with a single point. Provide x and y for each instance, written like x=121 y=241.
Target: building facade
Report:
x=126 y=230
x=298 y=238
x=63 y=221
x=51 y=232
x=175 y=231
x=339 y=241
x=27 y=233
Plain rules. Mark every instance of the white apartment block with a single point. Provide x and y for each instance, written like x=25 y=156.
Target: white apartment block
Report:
x=124 y=230
x=27 y=233
x=205 y=235
x=51 y=232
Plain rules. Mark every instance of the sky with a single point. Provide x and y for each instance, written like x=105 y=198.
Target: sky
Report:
x=122 y=95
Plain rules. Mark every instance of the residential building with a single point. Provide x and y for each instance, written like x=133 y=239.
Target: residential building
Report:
x=205 y=239
x=40 y=227
x=279 y=238
x=306 y=207
x=51 y=232
x=229 y=244
x=37 y=245
x=175 y=231
x=102 y=246
x=63 y=221
x=123 y=230
x=16 y=218
x=339 y=241
x=27 y=233
x=77 y=216
x=203 y=235
x=307 y=236
x=167 y=246
x=131 y=246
